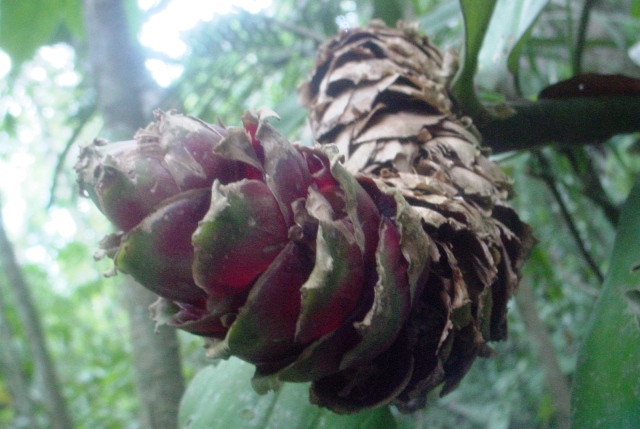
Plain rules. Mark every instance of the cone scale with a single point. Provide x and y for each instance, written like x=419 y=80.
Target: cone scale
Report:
x=376 y=264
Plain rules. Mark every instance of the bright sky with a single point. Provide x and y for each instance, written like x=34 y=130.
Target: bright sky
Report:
x=162 y=32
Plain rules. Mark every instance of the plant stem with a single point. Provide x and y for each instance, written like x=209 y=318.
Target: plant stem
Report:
x=591 y=184
x=581 y=36
x=549 y=179
x=571 y=121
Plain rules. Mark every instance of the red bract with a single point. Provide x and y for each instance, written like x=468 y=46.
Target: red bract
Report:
x=127 y=180
x=237 y=240
x=274 y=251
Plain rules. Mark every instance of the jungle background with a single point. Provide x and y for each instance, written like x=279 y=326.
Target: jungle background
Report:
x=79 y=351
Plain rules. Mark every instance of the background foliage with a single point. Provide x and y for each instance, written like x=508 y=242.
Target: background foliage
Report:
x=571 y=196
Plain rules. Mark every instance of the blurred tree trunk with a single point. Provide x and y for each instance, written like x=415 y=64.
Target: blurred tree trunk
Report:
x=120 y=79
x=10 y=366
x=51 y=391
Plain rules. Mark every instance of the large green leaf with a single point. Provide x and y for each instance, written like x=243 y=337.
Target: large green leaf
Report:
x=27 y=25
x=495 y=32
x=510 y=27
x=439 y=17
x=606 y=391
x=222 y=397
x=635 y=8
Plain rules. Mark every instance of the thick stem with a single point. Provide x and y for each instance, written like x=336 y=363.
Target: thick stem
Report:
x=571 y=121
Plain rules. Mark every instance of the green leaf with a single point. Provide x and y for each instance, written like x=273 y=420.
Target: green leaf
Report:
x=508 y=32
x=439 y=17
x=495 y=33
x=71 y=16
x=27 y=25
x=222 y=397
x=476 y=15
x=635 y=8
x=606 y=391
x=335 y=284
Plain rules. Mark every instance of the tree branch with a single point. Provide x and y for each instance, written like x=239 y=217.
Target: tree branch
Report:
x=297 y=30
x=555 y=379
x=571 y=121
x=590 y=182
x=30 y=319
x=62 y=158
x=544 y=173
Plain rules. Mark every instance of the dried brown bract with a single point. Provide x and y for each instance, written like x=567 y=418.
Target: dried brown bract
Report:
x=381 y=94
